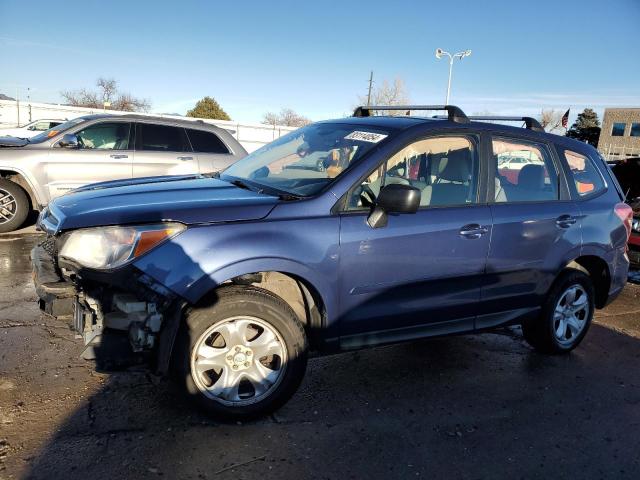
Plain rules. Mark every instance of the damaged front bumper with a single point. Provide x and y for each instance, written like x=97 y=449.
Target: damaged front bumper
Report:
x=56 y=296
x=121 y=317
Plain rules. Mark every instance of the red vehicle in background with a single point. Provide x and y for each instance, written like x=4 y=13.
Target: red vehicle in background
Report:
x=628 y=174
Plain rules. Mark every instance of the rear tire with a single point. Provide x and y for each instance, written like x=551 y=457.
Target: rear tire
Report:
x=242 y=357
x=566 y=315
x=14 y=206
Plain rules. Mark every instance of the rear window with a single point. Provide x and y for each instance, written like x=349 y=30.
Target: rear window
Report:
x=524 y=172
x=586 y=176
x=206 y=142
x=161 y=138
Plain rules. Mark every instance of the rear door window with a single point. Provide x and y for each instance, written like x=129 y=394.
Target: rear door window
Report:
x=524 y=172
x=586 y=176
x=161 y=138
x=206 y=142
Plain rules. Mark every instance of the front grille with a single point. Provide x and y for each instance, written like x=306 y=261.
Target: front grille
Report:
x=49 y=246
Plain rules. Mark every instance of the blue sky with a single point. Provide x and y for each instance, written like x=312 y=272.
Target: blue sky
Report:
x=315 y=57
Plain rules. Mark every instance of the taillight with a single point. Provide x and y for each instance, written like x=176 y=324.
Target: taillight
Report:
x=625 y=213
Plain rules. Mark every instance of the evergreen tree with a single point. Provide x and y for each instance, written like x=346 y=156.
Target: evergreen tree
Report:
x=208 y=108
x=586 y=127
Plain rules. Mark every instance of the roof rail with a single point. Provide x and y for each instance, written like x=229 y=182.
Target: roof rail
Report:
x=455 y=114
x=530 y=122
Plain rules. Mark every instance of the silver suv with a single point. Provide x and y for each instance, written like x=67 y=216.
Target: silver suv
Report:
x=97 y=148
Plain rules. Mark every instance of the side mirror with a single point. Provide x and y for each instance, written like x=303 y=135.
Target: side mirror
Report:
x=394 y=198
x=69 y=140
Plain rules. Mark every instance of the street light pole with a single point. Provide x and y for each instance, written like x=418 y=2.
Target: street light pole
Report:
x=460 y=55
x=450 y=75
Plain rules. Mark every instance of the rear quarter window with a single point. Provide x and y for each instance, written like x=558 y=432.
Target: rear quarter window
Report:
x=586 y=176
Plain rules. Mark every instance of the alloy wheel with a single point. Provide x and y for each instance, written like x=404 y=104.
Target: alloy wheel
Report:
x=238 y=361
x=8 y=206
x=571 y=314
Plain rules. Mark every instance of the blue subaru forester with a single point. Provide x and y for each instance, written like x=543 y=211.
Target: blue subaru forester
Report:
x=343 y=234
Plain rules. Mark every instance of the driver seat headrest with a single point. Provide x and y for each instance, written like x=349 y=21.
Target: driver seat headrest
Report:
x=456 y=166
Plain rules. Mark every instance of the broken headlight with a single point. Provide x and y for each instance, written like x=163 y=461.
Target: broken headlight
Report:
x=111 y=247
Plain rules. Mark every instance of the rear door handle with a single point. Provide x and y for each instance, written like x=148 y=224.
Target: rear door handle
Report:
x=184 y=159
x=118 y=155
x=565 y=221
x=473 y=230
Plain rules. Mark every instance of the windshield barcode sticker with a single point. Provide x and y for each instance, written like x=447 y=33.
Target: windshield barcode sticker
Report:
x=365 y=136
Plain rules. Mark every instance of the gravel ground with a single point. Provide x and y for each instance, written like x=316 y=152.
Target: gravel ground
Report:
x=483 y=406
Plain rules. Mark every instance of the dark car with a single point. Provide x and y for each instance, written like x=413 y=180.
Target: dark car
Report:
x=628 y=174
x=410 y=229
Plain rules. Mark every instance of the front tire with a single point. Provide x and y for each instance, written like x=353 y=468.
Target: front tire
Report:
x=566 y=315
x=14 y=206
x=242 y=357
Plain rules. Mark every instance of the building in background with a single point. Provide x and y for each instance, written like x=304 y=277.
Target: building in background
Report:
x=620 y=134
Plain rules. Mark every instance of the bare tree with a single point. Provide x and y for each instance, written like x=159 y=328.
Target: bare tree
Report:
x=107 y=92
x=81 y=98
x=128 y=103
x=108 y=87
x=550 y=119
x=388 y=94
x=287 y=117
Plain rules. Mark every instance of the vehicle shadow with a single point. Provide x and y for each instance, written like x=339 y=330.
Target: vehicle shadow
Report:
x=482 y=406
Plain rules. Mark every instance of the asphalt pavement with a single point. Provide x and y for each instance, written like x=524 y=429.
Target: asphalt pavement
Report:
x=476 y=406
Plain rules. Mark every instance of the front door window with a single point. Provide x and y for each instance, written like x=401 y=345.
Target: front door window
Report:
x=105 y=136
x=444 y=169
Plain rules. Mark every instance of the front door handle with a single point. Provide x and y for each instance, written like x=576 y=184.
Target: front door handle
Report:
x=473 y=230
x=565 y=221
x=184 y=159
x=119 y=155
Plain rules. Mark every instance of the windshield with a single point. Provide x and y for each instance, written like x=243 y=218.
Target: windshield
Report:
x=52 y=132
x=303 y=162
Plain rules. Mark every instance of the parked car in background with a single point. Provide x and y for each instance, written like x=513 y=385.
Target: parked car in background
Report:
x=628 y=174
x=408 y=230
x=98 y=148
x=31 y=129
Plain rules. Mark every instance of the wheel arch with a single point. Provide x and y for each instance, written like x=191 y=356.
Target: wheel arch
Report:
x=313 y=314
x=598 y=270
x=299 y=291
x=23 y=182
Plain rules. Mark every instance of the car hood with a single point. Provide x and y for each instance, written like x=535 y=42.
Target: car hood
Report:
x=13 y=142
x=185 y=199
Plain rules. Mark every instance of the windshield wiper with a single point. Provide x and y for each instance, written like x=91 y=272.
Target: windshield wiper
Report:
x=288 y=197
x=241 y=184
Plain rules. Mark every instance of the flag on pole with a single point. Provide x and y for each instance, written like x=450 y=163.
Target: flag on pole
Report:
x=565 y=119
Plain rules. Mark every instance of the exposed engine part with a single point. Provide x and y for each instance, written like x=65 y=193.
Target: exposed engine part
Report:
x=88 y=318
x=140 y=319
